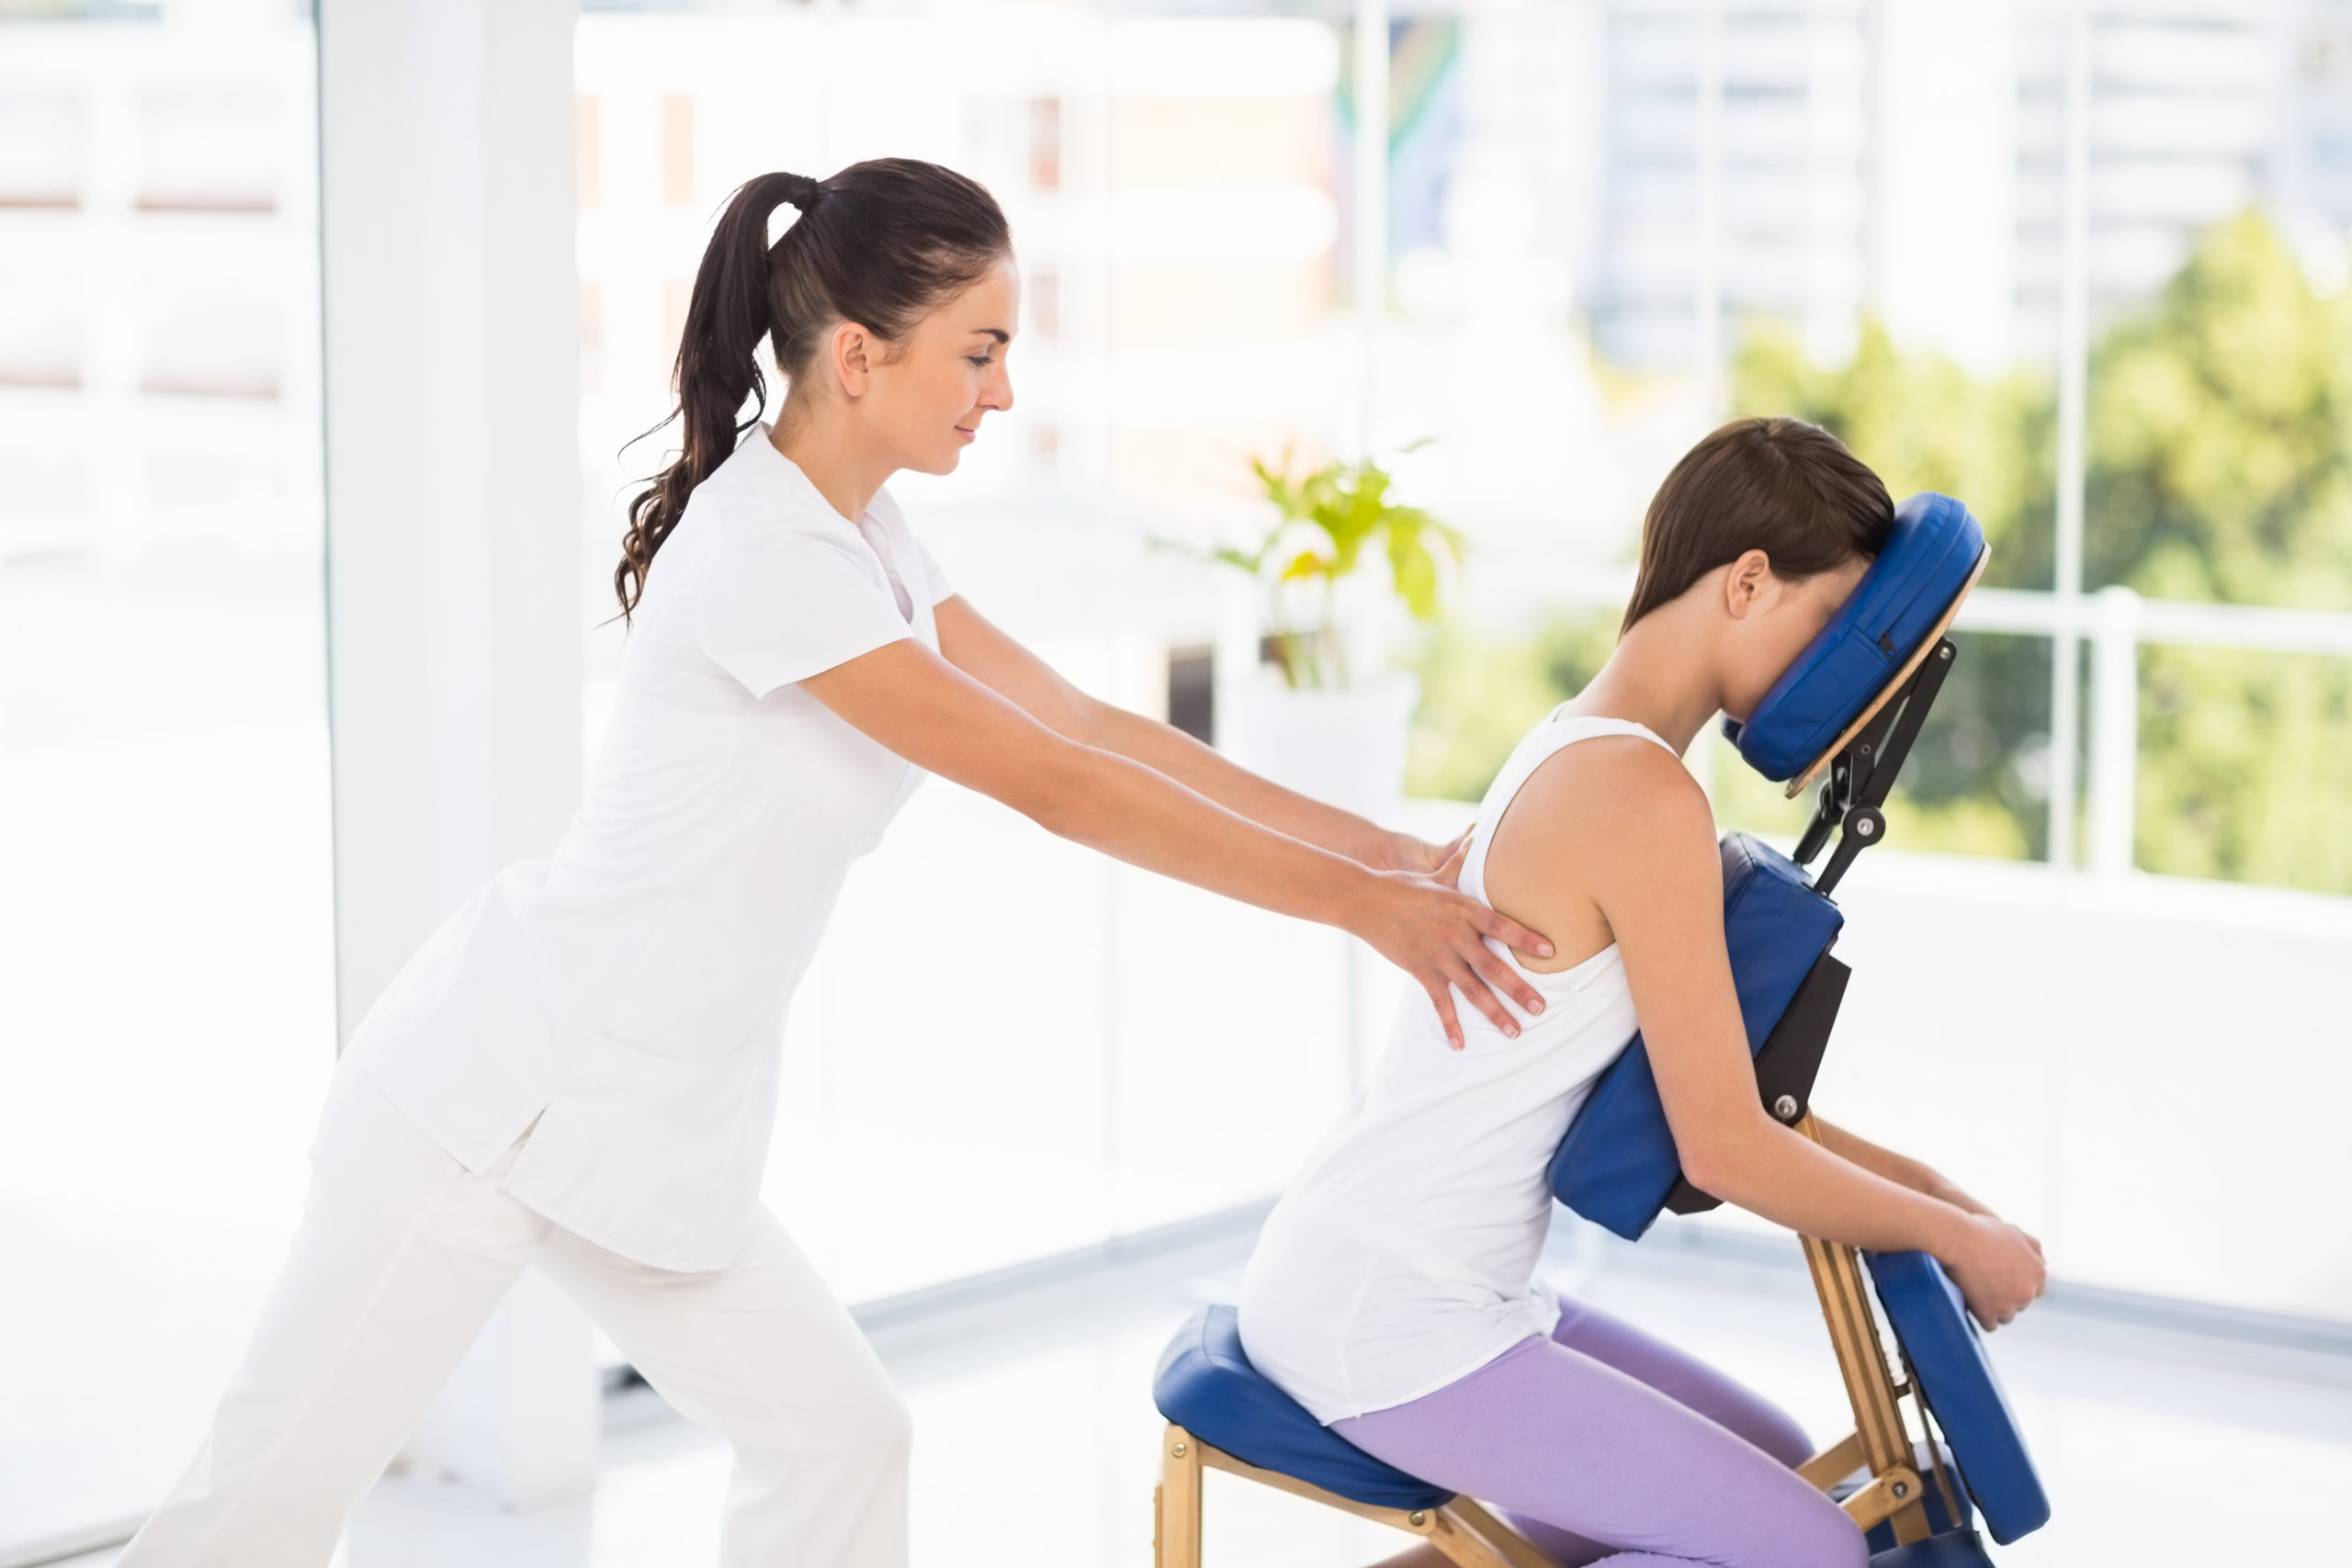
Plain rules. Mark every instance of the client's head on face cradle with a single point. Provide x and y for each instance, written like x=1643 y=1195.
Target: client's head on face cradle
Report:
x=1752 y=544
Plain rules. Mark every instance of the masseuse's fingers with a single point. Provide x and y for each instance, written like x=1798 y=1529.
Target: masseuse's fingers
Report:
x=1477 y=973
x=1510 y=933
x=1438 y=936
x=1445 y=860
x=1498 y=976
x=1442 y=998
x=1402 y=852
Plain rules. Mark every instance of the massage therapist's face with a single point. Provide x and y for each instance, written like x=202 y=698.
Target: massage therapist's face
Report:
x=1768 y=620
x=928 y=393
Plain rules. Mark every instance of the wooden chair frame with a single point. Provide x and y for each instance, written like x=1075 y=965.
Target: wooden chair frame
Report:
x=1471 y=1537
x=1467 y=1534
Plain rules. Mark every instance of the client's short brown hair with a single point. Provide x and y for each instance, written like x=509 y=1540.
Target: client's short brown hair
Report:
x=1773 y=484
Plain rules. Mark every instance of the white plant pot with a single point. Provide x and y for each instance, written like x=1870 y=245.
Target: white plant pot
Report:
x=1345 y=745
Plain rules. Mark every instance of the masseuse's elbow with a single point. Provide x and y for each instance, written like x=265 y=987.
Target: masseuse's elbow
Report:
x=1059 y=790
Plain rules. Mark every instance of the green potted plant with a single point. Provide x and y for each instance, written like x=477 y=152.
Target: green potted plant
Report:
x=1308 y=717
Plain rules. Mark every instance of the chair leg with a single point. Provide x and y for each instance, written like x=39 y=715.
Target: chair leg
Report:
x=1512 y=1547
x=1464 y=1545
x=1176 y=1502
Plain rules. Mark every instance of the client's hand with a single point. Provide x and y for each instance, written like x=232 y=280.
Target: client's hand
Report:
x=1438 y=936
x=1998 y=1269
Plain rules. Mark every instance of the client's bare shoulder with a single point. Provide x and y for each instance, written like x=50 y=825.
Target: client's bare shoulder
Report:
x=1588 y=818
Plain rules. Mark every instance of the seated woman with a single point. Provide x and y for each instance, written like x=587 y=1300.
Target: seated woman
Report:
x=1393 y=1293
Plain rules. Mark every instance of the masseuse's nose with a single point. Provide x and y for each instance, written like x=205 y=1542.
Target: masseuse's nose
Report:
x=996 y=389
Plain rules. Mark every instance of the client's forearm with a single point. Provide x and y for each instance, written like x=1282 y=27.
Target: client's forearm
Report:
x=1790 y=1181
x=1902 y=1169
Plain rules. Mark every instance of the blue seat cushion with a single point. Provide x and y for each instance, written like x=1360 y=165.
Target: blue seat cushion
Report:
x=1618 y=1162
x=1929 y=555
x=1961 y=1548
x=1207 y=1386
x=1956 y=1378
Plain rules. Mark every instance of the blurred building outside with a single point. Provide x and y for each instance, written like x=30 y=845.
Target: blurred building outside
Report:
x=1907 y=158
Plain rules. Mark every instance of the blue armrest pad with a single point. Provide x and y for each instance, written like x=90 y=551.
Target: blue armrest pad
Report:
x=1930 y=553
x=1956 y=1377
x=1618 y=1162
x=1206 y=1385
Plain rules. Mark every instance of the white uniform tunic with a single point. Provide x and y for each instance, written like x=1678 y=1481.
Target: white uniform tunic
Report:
x=626 y=994
x=1402 y=1258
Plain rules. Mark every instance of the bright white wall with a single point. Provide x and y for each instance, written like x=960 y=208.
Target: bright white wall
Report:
x=2149 y=1073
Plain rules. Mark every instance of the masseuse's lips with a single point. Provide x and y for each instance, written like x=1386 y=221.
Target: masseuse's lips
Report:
x=966 y=433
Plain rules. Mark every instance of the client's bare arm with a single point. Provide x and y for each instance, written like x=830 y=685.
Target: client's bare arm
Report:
x=1900 y=1169
x=1625 y=831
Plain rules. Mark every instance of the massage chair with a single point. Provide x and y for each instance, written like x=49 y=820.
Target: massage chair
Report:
x=1845 y=713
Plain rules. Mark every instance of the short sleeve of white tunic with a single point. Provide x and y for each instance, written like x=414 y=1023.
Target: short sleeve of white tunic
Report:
x=621 y=1000
x=794 y=602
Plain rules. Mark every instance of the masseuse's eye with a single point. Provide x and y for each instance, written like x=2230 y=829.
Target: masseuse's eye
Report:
x=982 y=360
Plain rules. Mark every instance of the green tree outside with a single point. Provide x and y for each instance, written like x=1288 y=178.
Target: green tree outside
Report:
x=2219 y=470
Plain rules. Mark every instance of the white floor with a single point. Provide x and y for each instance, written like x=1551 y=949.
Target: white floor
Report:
x=1036 y=1437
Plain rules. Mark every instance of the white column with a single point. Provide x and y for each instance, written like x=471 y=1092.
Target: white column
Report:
x=2073 y=397
x=1707 y=291
x=1371 y=237
x=2115 y=732
x=113 y=325
x=454 y=571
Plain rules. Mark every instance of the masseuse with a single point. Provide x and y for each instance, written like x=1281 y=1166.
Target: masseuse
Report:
x=579 y=1068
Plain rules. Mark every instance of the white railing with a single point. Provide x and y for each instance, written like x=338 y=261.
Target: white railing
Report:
x=2116 y=622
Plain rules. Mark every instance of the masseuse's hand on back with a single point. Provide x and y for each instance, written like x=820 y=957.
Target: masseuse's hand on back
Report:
x=940 y=718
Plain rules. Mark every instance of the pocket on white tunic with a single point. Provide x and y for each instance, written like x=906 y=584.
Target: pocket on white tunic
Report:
x=655 y=1156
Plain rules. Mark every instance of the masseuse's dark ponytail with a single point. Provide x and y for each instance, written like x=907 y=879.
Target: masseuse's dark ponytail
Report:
x=880 y=243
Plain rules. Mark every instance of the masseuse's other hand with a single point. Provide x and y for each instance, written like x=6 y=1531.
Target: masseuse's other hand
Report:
x=1998 y=1269
x=1437 y=936
x=1402 y=852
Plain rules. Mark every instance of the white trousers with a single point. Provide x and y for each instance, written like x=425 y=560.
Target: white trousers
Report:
x=400 y=1256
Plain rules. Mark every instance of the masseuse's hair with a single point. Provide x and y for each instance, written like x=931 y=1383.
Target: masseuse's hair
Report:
x=1778 y=485
x=880 y=243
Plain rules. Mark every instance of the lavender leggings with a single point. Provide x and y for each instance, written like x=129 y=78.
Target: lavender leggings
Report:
x=1604 y=1445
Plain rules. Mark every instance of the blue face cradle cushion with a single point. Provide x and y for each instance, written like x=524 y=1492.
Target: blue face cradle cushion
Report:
x=1933 y=553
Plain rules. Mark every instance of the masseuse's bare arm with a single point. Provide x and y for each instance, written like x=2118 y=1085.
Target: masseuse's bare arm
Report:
x=926 y=710
x=1629 y=827
x=976 y=647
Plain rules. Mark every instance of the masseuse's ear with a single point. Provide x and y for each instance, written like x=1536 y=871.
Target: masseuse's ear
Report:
x=853 y=353
x=1747 y=585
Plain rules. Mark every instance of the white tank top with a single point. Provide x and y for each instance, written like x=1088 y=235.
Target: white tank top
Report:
x=1402 y=1257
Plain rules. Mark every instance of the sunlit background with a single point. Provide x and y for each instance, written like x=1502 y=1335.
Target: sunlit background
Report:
x=2085 y=266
